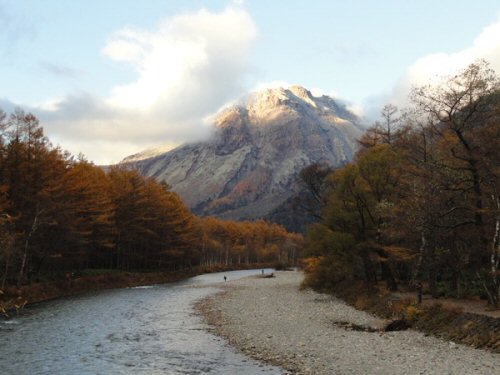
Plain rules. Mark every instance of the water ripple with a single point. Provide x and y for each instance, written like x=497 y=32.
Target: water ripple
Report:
x=144 y=330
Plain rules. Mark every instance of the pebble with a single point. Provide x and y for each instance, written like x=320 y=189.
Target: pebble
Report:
x=273 y=320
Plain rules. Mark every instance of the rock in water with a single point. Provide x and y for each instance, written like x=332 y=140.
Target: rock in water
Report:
x=250 y=166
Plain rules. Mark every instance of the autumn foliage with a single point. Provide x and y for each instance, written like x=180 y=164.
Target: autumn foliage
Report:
x=60 y=214
x=420 y=204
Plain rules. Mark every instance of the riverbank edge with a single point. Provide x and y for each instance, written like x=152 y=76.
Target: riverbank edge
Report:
x=14 y=298
x=473 y=330
x=452 y=324
x=234 y=315
x=207 y=309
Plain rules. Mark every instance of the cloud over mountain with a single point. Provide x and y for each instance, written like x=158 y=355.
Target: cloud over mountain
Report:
x=186 y=68
x=250 y=167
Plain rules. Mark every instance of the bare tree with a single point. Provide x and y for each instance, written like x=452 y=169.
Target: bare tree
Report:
x=457 y=112
x=385 y=130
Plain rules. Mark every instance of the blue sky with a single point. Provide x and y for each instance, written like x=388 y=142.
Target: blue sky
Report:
x=110 y=78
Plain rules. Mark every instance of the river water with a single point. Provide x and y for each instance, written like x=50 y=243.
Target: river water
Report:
x=144 y=330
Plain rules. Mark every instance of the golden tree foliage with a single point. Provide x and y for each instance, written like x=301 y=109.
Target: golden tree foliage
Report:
x=59 y=214
x=248 y=242
x=420 y=202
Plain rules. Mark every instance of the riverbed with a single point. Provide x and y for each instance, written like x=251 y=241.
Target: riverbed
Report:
x=143 y=330
x=309 y=333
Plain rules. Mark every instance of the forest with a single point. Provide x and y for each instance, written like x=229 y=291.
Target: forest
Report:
x=60 y=213
x=419 y=205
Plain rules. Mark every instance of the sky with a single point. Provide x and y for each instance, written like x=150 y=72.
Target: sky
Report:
x=110 y=78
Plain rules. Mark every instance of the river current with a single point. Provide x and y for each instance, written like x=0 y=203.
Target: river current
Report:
x=144 y=330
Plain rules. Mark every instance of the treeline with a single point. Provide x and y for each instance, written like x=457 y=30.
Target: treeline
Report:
x=59 y=213
x=420 y=204
x=232 y=242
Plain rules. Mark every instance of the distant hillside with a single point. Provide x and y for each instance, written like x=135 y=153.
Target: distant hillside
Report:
x=249 y=168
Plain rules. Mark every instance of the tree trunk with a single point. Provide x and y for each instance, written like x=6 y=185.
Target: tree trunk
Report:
x=418 y=264
x=7 y=264
x=495 y=255
x=433 y=282
x=24 y=261
x=388 y=276
x=370 y=274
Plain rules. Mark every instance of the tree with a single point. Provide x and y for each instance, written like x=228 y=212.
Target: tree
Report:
x=58 y=213
x=314 y=179
x=458 y=113
x=84 y=212
x=385 y=131
x=154 y=229
x=7 y=238
x=355 y=212
x=30 y=165
x=420 y=202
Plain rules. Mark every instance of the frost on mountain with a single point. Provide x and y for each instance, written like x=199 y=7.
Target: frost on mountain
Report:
x=250 y=166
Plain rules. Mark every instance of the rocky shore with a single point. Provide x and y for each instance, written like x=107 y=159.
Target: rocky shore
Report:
x=309 y=333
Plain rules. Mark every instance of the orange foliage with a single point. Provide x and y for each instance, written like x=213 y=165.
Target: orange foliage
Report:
x=312 y=263
x=59 y=213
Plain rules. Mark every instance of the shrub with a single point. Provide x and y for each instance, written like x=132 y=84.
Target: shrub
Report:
x=413 y=313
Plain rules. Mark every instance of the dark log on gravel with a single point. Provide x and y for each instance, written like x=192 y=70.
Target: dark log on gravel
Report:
x=397 y=325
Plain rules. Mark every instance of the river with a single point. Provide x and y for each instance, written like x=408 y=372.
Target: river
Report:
x=143 y=330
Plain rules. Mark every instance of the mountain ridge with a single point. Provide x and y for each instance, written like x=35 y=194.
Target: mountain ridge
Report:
x=250 y=165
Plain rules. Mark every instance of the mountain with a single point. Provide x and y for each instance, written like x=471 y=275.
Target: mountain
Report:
x=249 y=168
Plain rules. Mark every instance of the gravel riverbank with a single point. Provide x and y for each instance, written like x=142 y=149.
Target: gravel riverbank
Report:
x=301 y=331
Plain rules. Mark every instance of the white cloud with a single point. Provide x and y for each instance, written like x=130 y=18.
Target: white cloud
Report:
x=432 y=68
x=187 y=68
x=356 y=109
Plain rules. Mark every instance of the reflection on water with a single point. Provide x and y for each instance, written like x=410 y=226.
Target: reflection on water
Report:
x=145 y=330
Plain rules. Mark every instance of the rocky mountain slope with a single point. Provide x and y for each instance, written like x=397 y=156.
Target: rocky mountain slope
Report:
x=250 y=166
